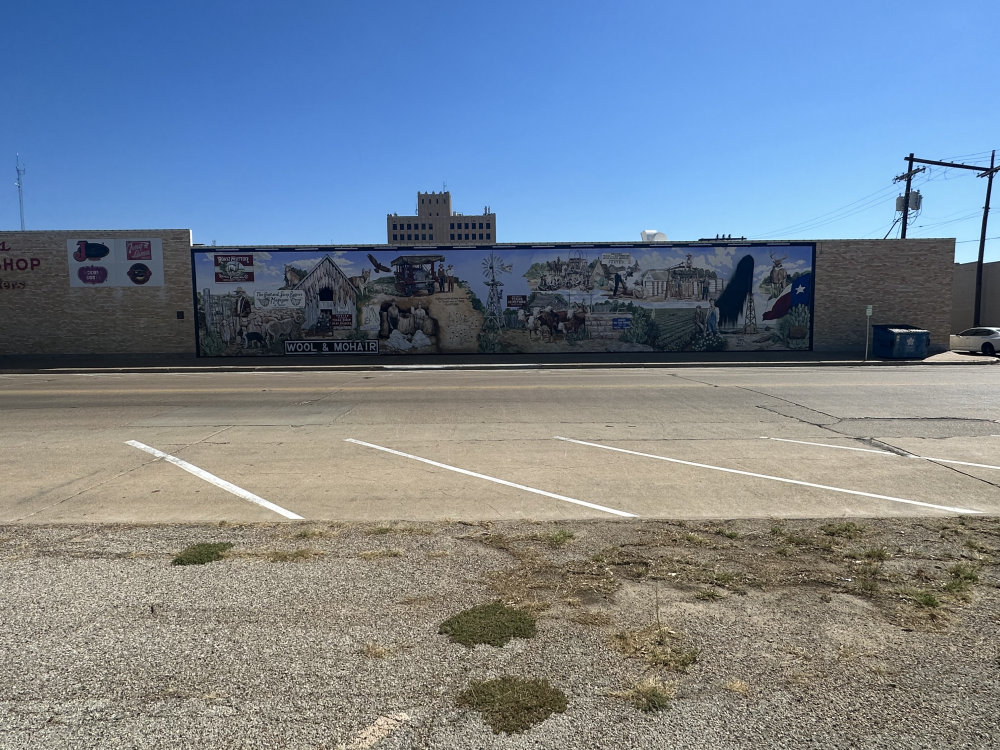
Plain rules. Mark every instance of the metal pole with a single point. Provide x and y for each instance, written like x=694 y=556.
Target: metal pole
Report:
x=20 y=186
x=906 y=195
x=982 y=242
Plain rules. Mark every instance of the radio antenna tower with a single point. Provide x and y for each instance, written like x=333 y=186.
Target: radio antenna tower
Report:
x=20 y=188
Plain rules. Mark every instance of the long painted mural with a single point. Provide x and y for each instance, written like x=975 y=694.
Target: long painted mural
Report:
x=504 y=299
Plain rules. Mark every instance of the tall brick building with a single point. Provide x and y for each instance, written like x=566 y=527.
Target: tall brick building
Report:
x=435 y=224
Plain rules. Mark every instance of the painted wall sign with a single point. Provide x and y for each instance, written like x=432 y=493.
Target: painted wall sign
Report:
x=11 y=263
x=510 y=299
x=331 y=347
x=98 y=262
x=285 y=298
x=231 y=269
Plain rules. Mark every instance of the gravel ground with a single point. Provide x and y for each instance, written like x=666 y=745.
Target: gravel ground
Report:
x=804 y=634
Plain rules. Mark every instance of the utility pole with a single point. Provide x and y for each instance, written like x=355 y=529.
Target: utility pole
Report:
x=906 y=196
x=20 y=188
x=982 y=237
x=987 y=172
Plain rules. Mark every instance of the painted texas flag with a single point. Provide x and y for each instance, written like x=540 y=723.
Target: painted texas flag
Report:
x=799 y=292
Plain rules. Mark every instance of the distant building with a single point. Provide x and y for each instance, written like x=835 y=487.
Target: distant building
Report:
x=435 y=224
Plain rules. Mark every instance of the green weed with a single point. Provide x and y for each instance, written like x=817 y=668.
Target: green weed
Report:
x=512 y=704
x=494 y=624
x=204 y=552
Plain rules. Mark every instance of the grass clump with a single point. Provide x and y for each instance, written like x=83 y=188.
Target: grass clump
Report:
x=204 y=552
x=411 y=530
x=315 y=532
x=738 y=686
x=650 y=695
x=847 y=529
x=555 y=539
x=512 y=704
x=962 y=576
x=658 y=646
x=879 y=554
x=374 y=651
x=922 y=598
x=294 y=555
x=963 y=572
x=493 y=624
x=695 y=539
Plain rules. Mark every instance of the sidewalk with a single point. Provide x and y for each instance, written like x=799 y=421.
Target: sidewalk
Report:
x=154 y=362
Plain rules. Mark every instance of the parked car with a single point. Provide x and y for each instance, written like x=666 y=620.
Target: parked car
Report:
x=985 y=340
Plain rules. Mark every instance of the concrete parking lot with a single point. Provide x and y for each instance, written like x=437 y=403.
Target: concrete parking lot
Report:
x=728 y=511
x=489 y=444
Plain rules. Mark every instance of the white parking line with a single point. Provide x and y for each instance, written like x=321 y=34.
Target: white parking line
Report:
x=888 y=453
x=774 y=479
x=493 y=479
x=825 y=445
x=212 y=479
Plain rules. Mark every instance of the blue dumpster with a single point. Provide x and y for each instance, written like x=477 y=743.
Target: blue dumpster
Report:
x=897 y=341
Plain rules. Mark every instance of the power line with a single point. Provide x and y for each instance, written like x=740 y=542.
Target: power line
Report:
x=967 y=217
x=962 y=242
x=836 y=214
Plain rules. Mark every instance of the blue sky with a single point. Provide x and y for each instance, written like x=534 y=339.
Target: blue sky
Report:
x=306 y=122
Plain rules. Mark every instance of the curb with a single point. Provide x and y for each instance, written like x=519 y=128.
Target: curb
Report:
x=147 y=364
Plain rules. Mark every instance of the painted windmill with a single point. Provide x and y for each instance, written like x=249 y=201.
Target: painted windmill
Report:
x=493 y=267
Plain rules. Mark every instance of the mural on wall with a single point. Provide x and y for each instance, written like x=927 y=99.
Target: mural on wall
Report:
x=504 y=299
x=115 y=262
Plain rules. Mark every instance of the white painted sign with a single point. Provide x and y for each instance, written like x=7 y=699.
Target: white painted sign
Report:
x=617 y=259
x=115 y=262
x=282 y=298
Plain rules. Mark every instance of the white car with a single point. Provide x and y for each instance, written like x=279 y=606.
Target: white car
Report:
x=982 y=339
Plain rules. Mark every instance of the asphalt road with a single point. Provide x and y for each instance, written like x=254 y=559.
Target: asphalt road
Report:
x=535 y=444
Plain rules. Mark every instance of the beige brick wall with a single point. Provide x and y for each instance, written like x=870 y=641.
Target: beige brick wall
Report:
x=963 y=296
x=43 y=314
x=905 y=281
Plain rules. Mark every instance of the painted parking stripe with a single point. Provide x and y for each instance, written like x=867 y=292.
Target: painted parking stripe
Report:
x=773 y=479
x=889 y=453
x=493 y=479
x=826 y=445
x=212 y=479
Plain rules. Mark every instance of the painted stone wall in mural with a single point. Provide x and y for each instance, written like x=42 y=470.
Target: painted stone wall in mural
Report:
x=505 y=299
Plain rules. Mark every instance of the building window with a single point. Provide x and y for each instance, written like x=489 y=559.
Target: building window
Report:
x=423 y=236
x=487 y=235
x=393 y=237
x=467 y=234
x=409 y=236
x=487 y=225
x=393 y=227
x=480 y=234
x=452 y=235
x=451 y=225
x=409 y=227
x=432 y=238
x=480 y=225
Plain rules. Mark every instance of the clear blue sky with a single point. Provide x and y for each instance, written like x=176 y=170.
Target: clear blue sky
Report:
x=306 y=122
